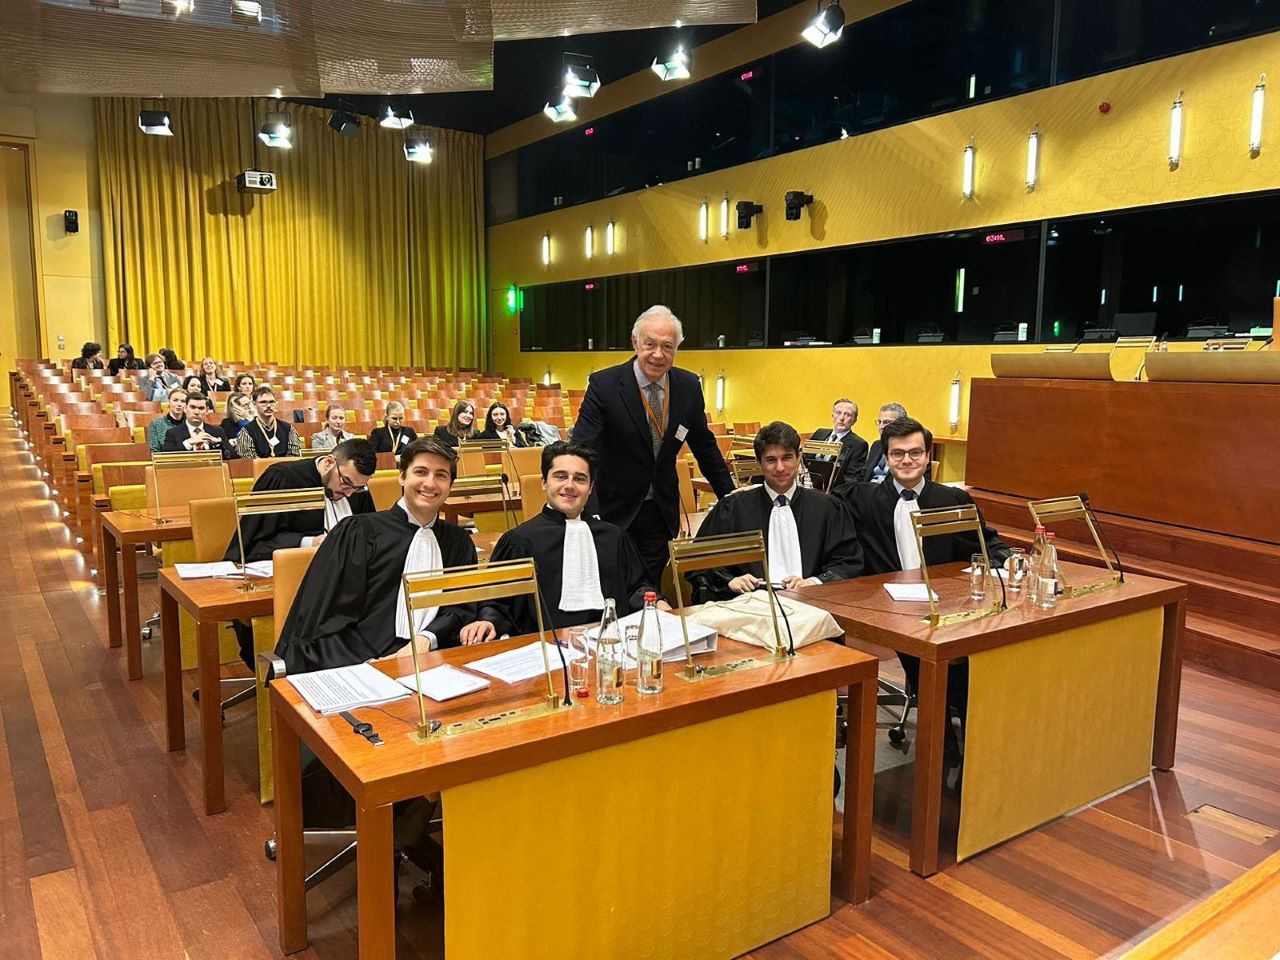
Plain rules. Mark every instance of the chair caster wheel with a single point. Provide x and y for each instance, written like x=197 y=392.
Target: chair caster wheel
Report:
x=897 y=734
x=195 y=695
x=269 y=848
x=426 y=891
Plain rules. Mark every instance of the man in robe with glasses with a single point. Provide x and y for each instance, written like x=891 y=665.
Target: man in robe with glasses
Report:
x=638 y=416
x=344 y=474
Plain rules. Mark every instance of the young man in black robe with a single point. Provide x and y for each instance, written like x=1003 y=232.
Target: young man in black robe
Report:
x=809 y=537
x=581 y=560
x=350 y=606
x=344 y=474
x=882 y=512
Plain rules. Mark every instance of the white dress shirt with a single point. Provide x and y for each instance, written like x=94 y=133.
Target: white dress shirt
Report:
x=903 y=532
x=580 y=570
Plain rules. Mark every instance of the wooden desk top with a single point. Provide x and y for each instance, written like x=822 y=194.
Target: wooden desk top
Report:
x=402 y=767
x=139 y=526
x=215 y=599
x=864 y=610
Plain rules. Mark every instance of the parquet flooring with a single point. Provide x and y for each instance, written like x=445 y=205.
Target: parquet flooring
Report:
x=103 y=853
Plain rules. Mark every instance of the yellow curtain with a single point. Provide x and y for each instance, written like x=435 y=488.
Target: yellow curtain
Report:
x=359 y=257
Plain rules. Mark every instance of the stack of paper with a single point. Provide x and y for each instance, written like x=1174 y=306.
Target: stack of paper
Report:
x=916 y=592
x=346 y=688
x=522 y=663
x=446 y=682
x=702 y=639
x=223 y=568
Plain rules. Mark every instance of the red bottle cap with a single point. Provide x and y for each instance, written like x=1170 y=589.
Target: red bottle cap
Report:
x=1051 y=536
x=650 y=597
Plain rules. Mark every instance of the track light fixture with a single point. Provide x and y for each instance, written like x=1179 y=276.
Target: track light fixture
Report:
x=580 y=78
x=277 y=131
x=562 y=112
x=746 y=212
x=345 y=122
x=246 y=12
x=826 y=28
x=156 y=123
x=394 y=119
x=674 y=67
x=417 y=149
x=795 y=201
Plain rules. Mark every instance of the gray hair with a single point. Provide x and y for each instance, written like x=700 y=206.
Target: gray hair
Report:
x=653 y=313
x=897 y=408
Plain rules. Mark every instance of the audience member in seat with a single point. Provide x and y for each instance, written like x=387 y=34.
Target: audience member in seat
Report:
x=192 y=384
x=461 y=425
x=211 y=379
x=265 y=436
x=853 y=450
x=393 y=436
x=156 y=383
x=245 y=384
x=159 y=428
x=239 y=413
x=877 y=468
x=194 y=435
x=171 y=361
x=90 y=357
x=334 y=430
x=809 y=536
x=123 y=360
x=882 y=513
x=498 y=426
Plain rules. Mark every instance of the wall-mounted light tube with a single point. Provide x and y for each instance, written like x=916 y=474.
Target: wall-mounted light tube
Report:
x=546 y=249
x=953 y=406
x=959 y=302
x=720 y=393
x=546 y=378
x=609 y=238
x=724 y=217
x=1033 y=158
x=589 y=242
x=1175 y=133
x=1255 y=118
x=970 y=157
x=703 y=217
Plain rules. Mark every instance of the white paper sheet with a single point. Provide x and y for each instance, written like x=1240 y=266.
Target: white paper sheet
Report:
x=522 y=663
x=916 y=592
x=222 y=568
x=701 y=638
x=446 y=682
x=346 y=688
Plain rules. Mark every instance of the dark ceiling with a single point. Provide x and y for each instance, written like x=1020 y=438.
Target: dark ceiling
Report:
x=525 y=74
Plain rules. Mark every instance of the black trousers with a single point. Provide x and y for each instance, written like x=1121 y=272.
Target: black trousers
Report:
x=649 y=532
x=957 y=681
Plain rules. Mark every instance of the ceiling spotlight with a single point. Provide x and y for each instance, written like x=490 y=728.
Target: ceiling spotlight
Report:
x=157 y=123
x=396 y=119
x=674 y=67
x=346 y=123
x=246 y=11
x=417 y=150
x=580 y=79
x=561 y=112
x=277 y=132
x=176 y=8
x=826 y=27
x=795 y=201
x=746 y=211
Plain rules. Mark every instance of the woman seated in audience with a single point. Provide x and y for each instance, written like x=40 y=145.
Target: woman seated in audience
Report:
x=393 y=436
x=90 y=357
x=193 y=384
x=334 y=430
x=156 y=383
x=244 y=384
x=461 y=425
x=123 y=360
x=239 y=413
x=171 y=361
x=498 y=426
x=211 y=377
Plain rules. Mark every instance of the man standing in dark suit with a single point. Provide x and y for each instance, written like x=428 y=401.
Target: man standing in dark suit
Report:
x=637 y=416
x=193 y=434
x=853 y=453
x=882 y=515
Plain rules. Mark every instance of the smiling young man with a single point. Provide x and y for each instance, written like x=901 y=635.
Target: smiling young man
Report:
x=350 y=607
x=581 y=560
x=808 y=535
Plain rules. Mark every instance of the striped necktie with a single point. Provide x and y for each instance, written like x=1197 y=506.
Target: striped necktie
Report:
x=654 y=392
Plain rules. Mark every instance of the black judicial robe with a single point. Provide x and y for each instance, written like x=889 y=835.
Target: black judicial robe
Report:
x=345 y=610
x=268 y=532
x=829 y=548
x=853 y=452
x=541 y=538
x=175 y=437
x=872 y=506
x=384 y=441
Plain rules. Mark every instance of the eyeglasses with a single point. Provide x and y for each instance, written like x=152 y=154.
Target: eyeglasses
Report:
x=347 y=484
x=667 y=348
x=884 y=423
x=897 y=456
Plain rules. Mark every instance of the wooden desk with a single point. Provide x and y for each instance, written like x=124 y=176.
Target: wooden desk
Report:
x=455 y=507
x=402 y=768
x=210 y=602
x=866 y=612
x=125 y=530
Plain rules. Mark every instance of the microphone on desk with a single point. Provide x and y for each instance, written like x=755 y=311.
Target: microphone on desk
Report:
x=1084 y=498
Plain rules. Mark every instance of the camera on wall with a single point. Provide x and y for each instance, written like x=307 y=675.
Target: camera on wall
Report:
x=795 y=201
x=746 y=211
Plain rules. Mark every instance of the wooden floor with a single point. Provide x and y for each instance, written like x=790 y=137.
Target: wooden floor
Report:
x=103 y=852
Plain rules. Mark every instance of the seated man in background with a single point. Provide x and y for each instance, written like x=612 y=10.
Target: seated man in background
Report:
x=853 y=453
x=344 y=474
x=877 y=468
x=265 y=436
x=156 y=383
x=393 y=436
x=193 y=434
x=350 y=607
x=580 y=560
x=882 y=513
x=809 y=536
x=159 y=428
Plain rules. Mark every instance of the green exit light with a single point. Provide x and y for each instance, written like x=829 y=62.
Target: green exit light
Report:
x=512 y=294
x=1057 y=329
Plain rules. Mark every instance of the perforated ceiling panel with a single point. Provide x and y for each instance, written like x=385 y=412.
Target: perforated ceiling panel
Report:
x=299 y=47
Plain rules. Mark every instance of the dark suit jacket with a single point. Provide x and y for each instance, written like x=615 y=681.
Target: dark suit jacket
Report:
x=853 y=453
x=381 y=439
x=872 y=506
x=216 y=385
x=612 y=420
x=175 y=437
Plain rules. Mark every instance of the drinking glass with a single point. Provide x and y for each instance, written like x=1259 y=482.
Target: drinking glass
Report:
x=1019 y=569
x=580 y=665
x=977 y=577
